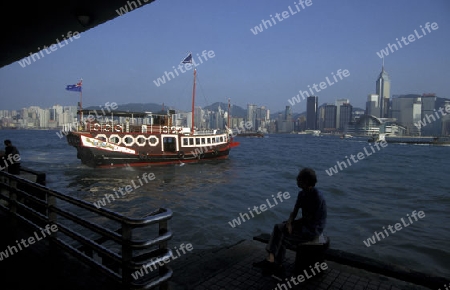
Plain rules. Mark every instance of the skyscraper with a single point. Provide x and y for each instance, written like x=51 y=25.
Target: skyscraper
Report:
x=345 y=116
x=372 y=107
x=311 y=112
x=383 y=90
x=330 y=117
x=251 y=116
x=338 y=104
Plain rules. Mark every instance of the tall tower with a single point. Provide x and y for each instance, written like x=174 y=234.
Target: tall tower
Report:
x=338 y=104
x=251 y=116
x=383 y=90
x=311 y=112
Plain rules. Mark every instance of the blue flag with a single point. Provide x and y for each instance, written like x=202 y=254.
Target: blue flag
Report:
x=188 y=59
x=75 y=88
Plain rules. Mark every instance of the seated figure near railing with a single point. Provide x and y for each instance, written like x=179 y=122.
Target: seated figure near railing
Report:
x=293 y=232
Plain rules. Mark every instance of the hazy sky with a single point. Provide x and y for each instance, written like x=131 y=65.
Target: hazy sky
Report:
x=120 y=60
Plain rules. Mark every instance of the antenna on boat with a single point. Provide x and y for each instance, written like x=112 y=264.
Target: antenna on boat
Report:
x=188 y=59
x=193 y=103
x=229 y=126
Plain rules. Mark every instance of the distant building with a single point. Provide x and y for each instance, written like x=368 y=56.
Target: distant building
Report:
x=251 y=116
x=321 y=117
x=338 y=104
x=383 y=90
x=345 y=116
x=407 y=110
x=330 y=118
x=311 y=112
x=372 y=105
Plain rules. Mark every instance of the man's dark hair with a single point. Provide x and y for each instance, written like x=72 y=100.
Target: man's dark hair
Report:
x=308 y=176
x=7 y=142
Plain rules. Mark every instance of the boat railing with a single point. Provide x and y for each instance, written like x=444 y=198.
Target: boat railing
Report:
x=114 y=127
x=109 y=242
x=208 y=132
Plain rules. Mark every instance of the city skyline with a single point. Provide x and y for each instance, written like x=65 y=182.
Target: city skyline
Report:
x=119 y=60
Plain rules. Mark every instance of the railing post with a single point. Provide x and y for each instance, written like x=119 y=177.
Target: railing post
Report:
x=51 y=202
x=13 y=197
x=52 y=219
x=127 y=254
x=13 y=201
x=162 y=246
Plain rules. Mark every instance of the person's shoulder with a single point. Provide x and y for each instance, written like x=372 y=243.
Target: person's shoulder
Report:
x=319 y=193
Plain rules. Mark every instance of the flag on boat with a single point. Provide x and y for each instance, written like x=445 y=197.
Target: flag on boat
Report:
x=75 y=88
x=188 y=59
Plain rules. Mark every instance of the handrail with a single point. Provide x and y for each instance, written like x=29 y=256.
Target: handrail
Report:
x=114 y=252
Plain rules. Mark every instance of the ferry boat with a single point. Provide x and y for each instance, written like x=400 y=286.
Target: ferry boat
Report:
x=144 y=138
x=346 y=136
x=431 y=140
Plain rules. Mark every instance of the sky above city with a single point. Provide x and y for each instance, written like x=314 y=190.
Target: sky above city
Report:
x=121 y=60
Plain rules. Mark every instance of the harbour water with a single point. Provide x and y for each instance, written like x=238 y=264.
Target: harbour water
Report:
x=378 y=188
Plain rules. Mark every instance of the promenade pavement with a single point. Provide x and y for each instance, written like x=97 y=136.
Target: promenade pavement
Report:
x=213 y=269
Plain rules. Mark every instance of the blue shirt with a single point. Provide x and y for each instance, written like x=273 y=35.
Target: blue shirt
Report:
x=314 y=211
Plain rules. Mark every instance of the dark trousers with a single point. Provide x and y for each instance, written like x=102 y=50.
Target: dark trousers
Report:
x=280 y=239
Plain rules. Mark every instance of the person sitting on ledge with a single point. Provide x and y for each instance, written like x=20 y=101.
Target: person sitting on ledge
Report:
x=11 y=155
x=292 y=232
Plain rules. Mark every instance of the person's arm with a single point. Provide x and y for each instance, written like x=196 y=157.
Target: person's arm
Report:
x=293 y=214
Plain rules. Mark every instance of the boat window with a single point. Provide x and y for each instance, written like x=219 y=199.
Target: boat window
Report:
x=213 y=139
x=191 y=141
x=152 y=140
x=208 y=140
x=169 y=144
x=221 y=139
x=185 y=141
x=203 y=141
x=197 y=141
x=128 y=140
x=141 y=140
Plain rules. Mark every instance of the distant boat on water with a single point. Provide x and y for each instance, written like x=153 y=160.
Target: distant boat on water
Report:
x=432 y=140
x=311 y=132
x=251 y=134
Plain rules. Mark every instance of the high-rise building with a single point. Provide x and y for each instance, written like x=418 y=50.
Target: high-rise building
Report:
x=372 y=105
x=311 y=112
x=338 y=104
x=345 y=116
x=321 y=117
x=330 y=118
x=251 y=115
x=383 y=90
x=406 y=109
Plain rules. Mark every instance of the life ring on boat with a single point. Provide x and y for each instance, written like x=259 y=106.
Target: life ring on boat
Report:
x=153 y=143
x=113 y=138
x=141 y=140
x=101 y=137
x=180 y=155
x=128 y=140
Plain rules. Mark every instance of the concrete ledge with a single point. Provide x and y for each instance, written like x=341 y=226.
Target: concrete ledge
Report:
x=385 y=269
x=375 y=266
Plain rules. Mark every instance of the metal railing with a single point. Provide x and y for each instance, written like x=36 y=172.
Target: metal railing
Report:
x=104 y=240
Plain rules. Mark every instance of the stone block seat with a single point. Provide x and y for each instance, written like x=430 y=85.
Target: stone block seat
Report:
x=306 y=254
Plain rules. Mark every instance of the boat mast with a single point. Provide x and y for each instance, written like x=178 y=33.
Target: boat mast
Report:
x=193 y=102
x=229 y=126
